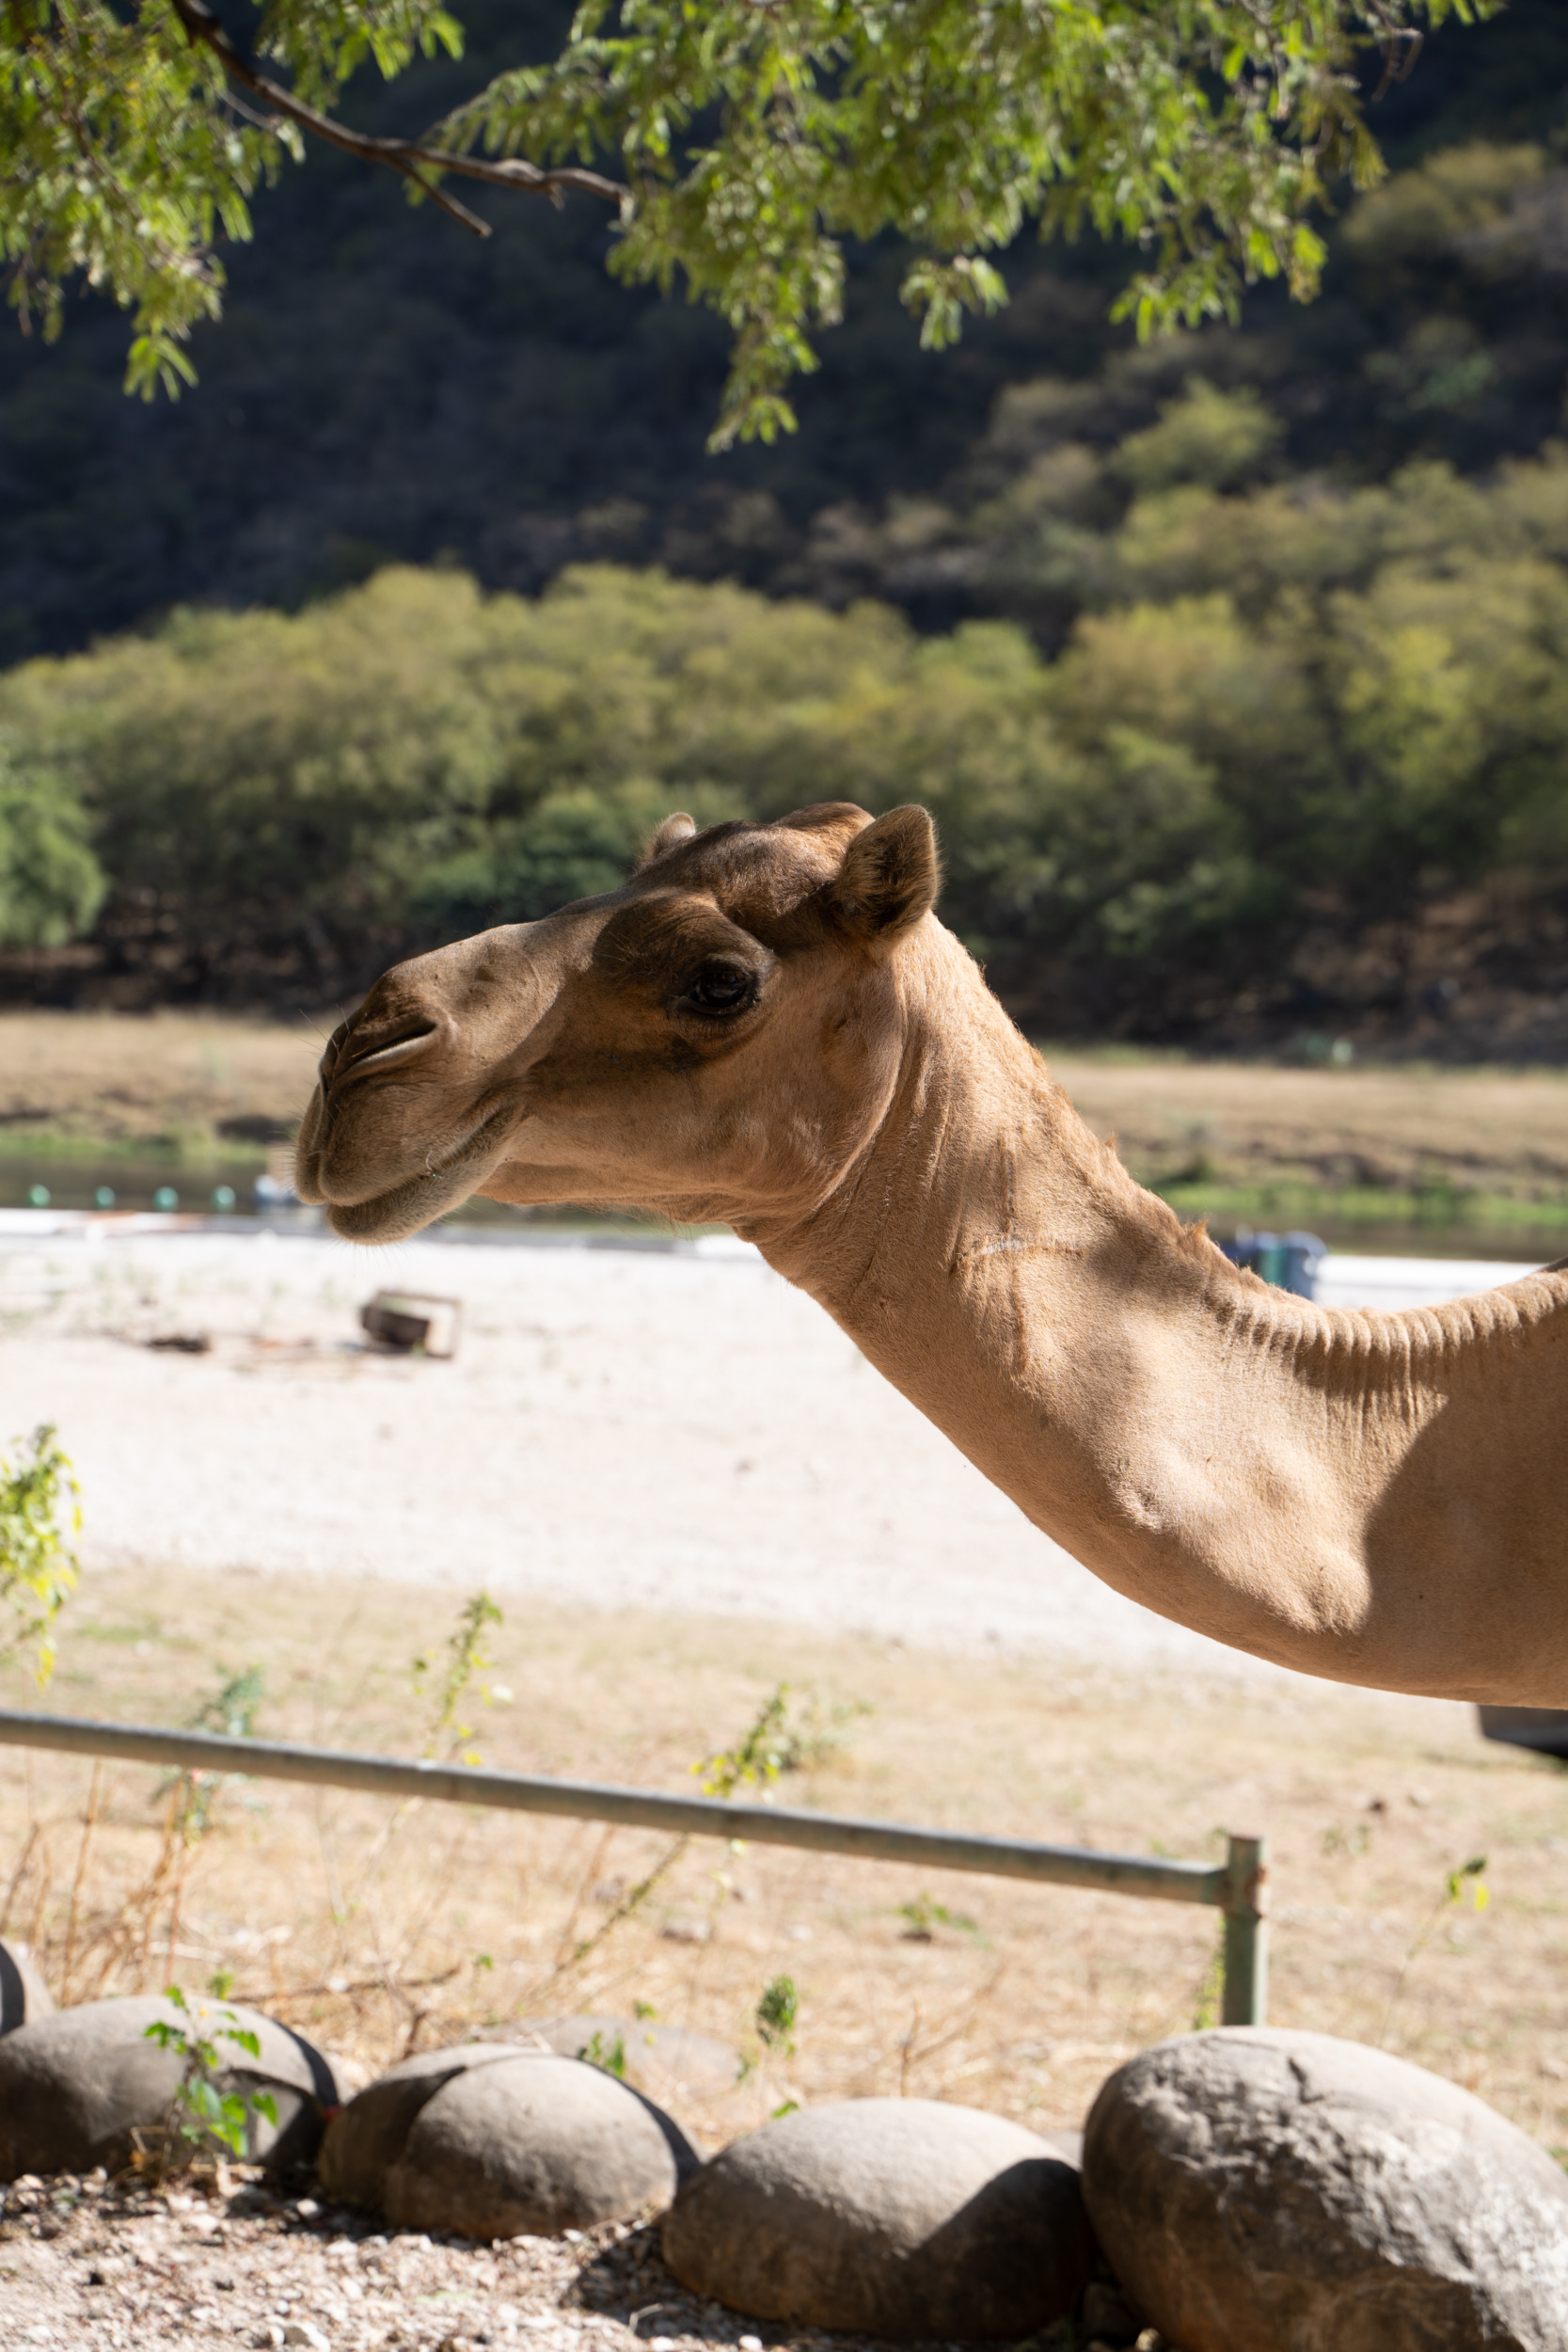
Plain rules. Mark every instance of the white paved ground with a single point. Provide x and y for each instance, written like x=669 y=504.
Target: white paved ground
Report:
x=672 y=1431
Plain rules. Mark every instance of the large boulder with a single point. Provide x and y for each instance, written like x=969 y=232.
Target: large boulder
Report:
x=490 y=2141
x=897 y=2217
x=666 y=2061
x=1258 y=2190
x=23 y=1995
x=76 y=2087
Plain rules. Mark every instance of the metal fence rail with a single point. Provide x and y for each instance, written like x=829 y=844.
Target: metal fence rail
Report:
x=1235 y=1886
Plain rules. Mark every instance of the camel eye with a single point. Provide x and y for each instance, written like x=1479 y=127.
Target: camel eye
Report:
x=722 y=988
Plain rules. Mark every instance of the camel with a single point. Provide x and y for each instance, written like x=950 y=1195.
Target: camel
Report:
x=768 y=1026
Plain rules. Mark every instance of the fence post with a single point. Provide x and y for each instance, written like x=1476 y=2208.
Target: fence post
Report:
x=1245 y=2000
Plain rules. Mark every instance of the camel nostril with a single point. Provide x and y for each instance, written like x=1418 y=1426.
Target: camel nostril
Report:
x=376 y=1054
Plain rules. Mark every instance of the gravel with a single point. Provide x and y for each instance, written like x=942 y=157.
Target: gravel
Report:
x=104 y=2263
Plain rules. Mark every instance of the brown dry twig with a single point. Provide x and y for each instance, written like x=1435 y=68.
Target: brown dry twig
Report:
x=411 y=158
x=33 y=1833
x=388 y=1981
x=90 y=1820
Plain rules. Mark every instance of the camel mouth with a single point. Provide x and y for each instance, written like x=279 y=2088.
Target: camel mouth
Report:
x=449 y=1176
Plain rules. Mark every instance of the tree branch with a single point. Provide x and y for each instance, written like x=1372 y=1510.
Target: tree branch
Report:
x=404 y=156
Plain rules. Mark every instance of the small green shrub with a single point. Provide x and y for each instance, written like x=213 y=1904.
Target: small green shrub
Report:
x=467 y=1660
x=610 y=2056
x=202 y=2109
x=776 y=2014
x=39 y=1511
x=922 y=1917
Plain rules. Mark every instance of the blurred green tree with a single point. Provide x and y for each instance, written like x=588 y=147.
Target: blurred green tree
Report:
x=51 y=884
x=1284 y=706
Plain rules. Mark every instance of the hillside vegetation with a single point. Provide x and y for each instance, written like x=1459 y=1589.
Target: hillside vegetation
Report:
x=1231 y=666
x=1297 y=767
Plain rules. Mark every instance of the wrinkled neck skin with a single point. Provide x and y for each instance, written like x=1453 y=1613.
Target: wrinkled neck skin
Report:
x=1374 y=1497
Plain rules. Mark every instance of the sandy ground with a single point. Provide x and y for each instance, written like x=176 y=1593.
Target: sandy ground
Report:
x=622 y=1428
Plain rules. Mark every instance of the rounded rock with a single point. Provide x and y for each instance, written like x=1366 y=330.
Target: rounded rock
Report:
x=76 y=2087
x=370 y=2134
x=23 y=1995
x=1261 y=2190
x=489 y=2141
x=905 y=2218
x=664 y=2061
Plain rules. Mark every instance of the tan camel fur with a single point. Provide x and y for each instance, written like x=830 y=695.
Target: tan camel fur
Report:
x=769 y=1026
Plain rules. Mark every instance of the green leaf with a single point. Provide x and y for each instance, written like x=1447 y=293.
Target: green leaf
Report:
x=751 y=141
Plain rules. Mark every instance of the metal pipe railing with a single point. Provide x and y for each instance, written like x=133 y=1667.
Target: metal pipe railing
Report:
x=1236 y=1886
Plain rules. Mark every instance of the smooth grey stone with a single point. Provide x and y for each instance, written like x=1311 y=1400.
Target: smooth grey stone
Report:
x=23 y=1995
x=1259 y=2190
x=489 y=2141
x=904 y=2219
x=372 y=2132
x=75 y=2086
x=657 y=2059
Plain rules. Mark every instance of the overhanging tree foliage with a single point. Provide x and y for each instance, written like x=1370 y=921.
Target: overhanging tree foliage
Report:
x=737 y=143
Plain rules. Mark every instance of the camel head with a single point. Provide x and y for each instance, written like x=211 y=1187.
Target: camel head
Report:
x=714 y=1039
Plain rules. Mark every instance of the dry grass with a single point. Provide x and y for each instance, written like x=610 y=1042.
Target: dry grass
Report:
x=1501 y=1133
x=169 y=1078
x=382 y=1930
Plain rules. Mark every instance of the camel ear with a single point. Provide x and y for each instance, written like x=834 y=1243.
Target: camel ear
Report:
x=889 y=879
x=674 y=831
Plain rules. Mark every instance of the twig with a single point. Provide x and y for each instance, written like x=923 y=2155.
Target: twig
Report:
x=632 y=1901
x=88 y=1823
x=907 y=2053
x=590 y=1879
x=151 y=1890
x=184 y=1864
x=35 y=1928
x=1402 y=46
x=388 y=1981
x=404 y=156
x=17 y=1875
x=957 y=2024
x=440 y=1886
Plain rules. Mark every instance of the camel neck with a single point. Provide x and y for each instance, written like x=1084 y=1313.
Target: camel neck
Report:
x=1222 y=1453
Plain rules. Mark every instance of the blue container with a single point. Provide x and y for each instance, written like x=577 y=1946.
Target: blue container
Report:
x=1289 y=1261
